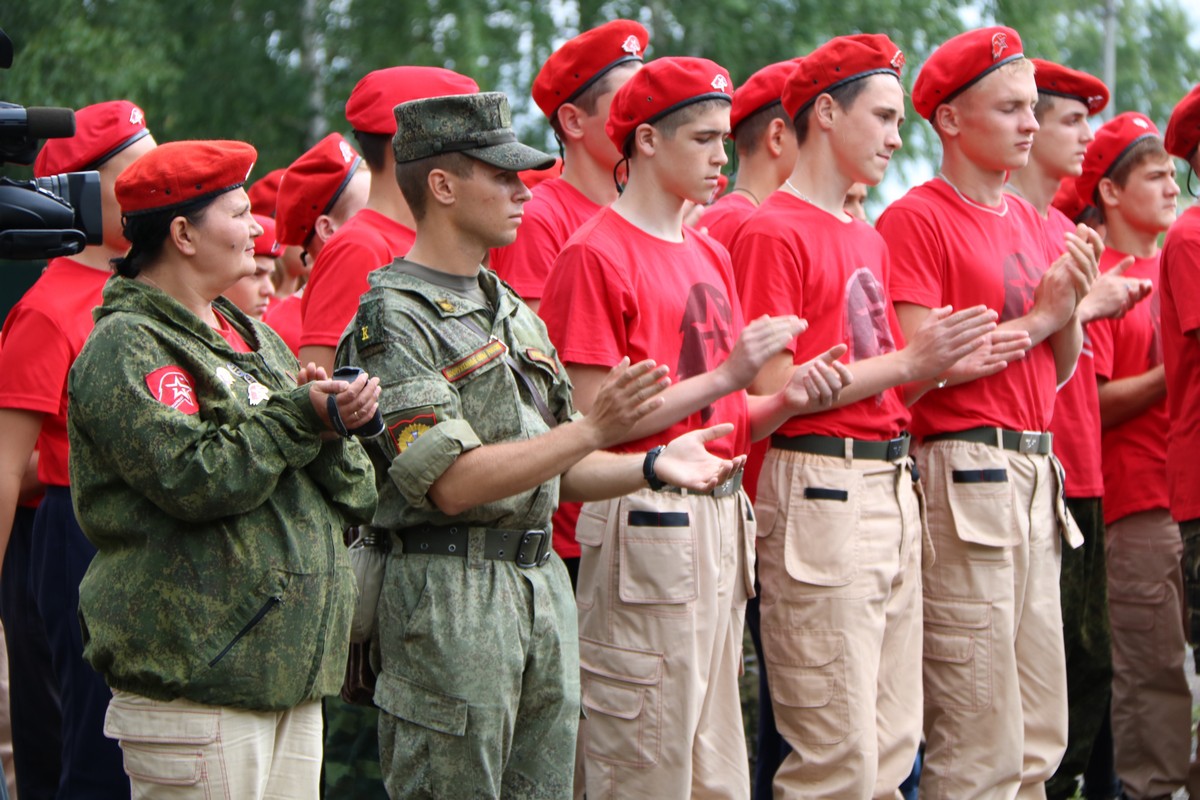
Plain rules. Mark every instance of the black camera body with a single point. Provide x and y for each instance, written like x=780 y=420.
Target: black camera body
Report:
x=58 y=215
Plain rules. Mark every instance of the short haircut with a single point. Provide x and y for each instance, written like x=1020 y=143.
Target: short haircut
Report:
x=1045 y=104
x=843 y=95
x=589 y=98
x=374 y=147
x=413 y=177
x=749 y=132
x=1148 y=149
x=1021 y=66
x=670 y=124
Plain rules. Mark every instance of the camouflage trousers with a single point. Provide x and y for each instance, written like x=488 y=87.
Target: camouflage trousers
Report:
x=351 y=765
x=1087 y=639
x=1190 y=531
x=479 y=688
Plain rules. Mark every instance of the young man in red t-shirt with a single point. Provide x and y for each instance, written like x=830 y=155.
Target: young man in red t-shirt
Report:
x=765 y=143
x=1066 y=99
x=840 y=561
x=1131 y=178
x=320 y=191
x=42 y=336
x=994 y=674
x=1179 y=304
x=383 y=229
x=664 y=575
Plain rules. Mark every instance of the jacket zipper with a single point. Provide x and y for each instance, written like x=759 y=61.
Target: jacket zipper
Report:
x=257 y=618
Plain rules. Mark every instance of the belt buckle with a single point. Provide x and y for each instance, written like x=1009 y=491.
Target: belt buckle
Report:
x=895 y=448
x=1030 y=443
x=541 y=552
x=728 y=486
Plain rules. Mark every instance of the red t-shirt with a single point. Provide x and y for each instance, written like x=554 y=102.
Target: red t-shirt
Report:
x=1076 y=420
x=284 y=318
x=793 y=258
x=617 y=291
x=42 y=335
x=1135 y=452
x=722 y=219
x=367 y=241
x=948 y=251
x=230 y=334
x=1179 y=301
x=555 y=212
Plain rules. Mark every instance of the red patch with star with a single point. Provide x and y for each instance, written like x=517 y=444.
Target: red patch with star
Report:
x=174 y=387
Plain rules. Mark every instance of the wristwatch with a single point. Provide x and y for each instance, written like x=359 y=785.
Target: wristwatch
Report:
x=648 y=469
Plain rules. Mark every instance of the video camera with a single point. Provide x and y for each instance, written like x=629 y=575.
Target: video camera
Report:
x=58 y=215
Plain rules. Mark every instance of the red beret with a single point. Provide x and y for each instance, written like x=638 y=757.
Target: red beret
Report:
x=311 y=186
x=960 y=62
x=761 y=90
x=582 y=61
x=838 y=62
x=1063 y=81
x=264 y=193
x=180 y=172
x=661 y=87
x=1066 y=199
x=268 y=243
x=101 y=131
x=1113 y=140
x=369 y=108
x=1183 y=129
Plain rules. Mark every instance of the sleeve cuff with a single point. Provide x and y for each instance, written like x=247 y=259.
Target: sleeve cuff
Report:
x=426 y=459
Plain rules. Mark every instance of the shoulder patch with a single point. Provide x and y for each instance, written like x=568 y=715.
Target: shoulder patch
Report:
x=174 y=387
x=533 y=354
x=465 y=366
x=416 y=422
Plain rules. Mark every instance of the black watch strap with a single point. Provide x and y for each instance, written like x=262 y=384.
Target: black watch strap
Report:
x=648 y=468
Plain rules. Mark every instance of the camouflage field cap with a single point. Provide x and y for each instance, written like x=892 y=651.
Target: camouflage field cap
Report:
x=476 y=125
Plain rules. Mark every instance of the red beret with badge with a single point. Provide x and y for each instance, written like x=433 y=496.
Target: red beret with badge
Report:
x=663 y=86
x=369 y=108
x=101 y=131
x=267 y=244
x=1060 y=81
x=1066 y=199
x=1113 y=140
x=587 y=58
x=312 y=185
x=264 y=193
x=960 y=63
x=1183 y=129
x=761 y=90
x=181 y=172
x=838 y=62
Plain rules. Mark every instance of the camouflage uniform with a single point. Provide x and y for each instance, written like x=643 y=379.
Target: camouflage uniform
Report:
x=220 y=576
x=479 y=679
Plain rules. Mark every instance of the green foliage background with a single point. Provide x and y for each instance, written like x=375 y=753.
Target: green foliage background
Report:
x=277 y=73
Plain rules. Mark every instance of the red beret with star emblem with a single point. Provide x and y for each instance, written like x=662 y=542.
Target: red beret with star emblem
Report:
x=101 y=131
x=312 y=185
x=663 y=86
x=264 y=193
x=268 y=243
x=369 y=108
x=587 y=58
x=1113 y=140
x=960 y=63
x=838 y=62
x=1183 y=129
x=1063 y=81
x=181 y=172
x=761 y=90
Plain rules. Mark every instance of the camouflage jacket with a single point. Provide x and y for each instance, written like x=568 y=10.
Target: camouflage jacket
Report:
x=216 y=510
x=447 y=390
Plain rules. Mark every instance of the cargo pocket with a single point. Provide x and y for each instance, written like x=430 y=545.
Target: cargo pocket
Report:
x=807 y=675
x=622 y=699
x=427 y=708
x=821 y=526
x=980 y=499
x=1134 y=604
x=657 y=551
x=958 y=653
x=590 y=530
x=162 y=745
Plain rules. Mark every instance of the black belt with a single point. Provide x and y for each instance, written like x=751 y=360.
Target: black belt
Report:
x=723 y=489
x=1027 y=442
x=890 y=450
x=525 y=548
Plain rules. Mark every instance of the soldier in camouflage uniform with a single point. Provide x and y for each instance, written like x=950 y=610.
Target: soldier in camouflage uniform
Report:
x=479 y=679
x=218 y=604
